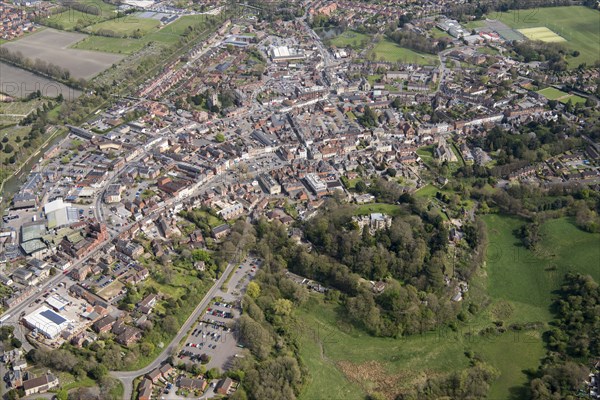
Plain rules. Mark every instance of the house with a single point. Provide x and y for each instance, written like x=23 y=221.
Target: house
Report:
x=104 y=324
x=154 y=375
x=193 y=384
x=224 y=386
x=40 y=384
x=148 y=303
x=145 y=390
x=221 y=231
x=129 y=336
x=166 y=370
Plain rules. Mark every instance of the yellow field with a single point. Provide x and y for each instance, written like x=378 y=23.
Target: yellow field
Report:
x=541 y=33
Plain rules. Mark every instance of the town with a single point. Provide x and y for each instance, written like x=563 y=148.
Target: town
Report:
x=127 y=242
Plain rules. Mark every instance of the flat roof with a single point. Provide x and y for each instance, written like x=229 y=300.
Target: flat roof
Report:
x=46 y=321
x=56 y=302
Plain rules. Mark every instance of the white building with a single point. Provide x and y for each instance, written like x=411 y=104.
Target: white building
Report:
x=47 y=322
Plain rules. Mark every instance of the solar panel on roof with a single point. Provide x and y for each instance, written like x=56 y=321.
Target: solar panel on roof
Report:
x=52 y=316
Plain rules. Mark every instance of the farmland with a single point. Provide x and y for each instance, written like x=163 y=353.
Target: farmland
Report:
x=68 y=20
x=110 y=44
x=125 y=27
x=52 y=46
x=515 y=286
x=166 y=35
x=578 y=25
x=18 y=83
x=95 y=11
x=387 y=50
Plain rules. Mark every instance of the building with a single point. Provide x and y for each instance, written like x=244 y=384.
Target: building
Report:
x=148 y=303
x=316 y=184
x=284 y=53
x=59 y=213
x=104 y=324
x=225 y=386
x=232 y=211
x=221 y=231
x=145 y=390
x=193 y=384
x=57 y=303
x=113 y=194
x=269 y=184
x=47 y=322
x=40 y=384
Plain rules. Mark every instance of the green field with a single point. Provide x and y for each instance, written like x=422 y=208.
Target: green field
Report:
x=438 y=33
x=126 y=27
x=351 y=39
x=110 y=45
x=526 y=279
x=366 y=209
x=515 y=286
x=579 y=25
x=71 y=18
x=554 y=94
x=426 y=153
x=167 y=35
x=68 y=20
x=387 y=50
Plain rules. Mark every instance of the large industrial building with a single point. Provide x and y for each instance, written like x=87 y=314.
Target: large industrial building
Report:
x=47 y=322
x=284 y=53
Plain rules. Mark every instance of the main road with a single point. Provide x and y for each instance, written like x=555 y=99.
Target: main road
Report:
x=127 y=377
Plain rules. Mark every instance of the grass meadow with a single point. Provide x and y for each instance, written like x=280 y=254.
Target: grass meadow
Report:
x=387 y=50
x=578 y=25
x=515 y=286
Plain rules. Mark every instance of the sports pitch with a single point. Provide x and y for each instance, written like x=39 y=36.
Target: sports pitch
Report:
x=543 y=34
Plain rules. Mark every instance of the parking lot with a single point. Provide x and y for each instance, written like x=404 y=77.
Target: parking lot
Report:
x=214 y=338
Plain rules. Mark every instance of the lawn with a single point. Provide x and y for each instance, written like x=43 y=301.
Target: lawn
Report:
x=427 y=191
x=438 y=33
x=344 y=362
x=554 y=94
x=126 y=27
x=351 y=39
x=387 y=50
x=577 y=24
x=390 y=209
x=474 y=24
x=426 y=153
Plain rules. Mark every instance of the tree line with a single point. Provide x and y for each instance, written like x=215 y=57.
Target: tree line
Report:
x=41 y=67
x=573 y=342
x=414 y=41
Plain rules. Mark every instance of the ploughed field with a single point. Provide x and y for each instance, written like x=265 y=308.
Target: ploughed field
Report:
x=52 y=46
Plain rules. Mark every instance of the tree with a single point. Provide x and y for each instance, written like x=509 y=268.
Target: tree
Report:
x=170 y=325
x=282 y=307
x=253 y=290
x=98 y=371
x=220 y=138
x=391 y=172
x=361 y=187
